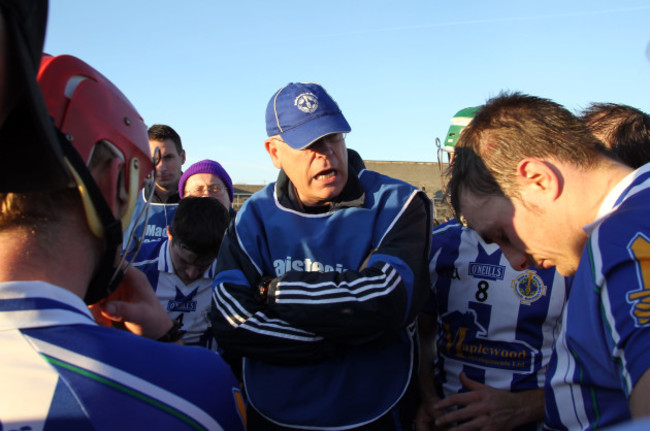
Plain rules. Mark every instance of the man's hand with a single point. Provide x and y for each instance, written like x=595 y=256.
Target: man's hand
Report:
x=427 y=414
x=134 y=306
x=639 y=400
x=489 y=409
x=425 y=418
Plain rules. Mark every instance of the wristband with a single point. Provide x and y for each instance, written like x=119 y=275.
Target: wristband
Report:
x=174 y=334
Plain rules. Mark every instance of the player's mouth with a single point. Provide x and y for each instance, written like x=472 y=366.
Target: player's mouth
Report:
x=327 y=175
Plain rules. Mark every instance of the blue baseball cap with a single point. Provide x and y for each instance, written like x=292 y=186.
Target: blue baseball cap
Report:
x=303 y=112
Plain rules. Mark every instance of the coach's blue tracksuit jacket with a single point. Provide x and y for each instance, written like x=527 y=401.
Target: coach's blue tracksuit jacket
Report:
x=334 y=347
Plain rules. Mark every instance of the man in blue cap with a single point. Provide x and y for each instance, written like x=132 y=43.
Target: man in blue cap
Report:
x=320 y=278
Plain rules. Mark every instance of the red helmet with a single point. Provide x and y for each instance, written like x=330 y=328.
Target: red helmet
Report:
x=87 y=108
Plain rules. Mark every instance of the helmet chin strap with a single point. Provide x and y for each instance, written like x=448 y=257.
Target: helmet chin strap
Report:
x=103 y=224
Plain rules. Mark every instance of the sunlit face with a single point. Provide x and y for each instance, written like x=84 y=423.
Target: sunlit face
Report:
x=168 y=169
x=527 y=236
x=207 y=185
x=188 y=265
x=318 y=172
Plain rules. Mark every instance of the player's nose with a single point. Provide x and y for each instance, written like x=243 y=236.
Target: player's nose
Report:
x=518 y=259
x=192 y=273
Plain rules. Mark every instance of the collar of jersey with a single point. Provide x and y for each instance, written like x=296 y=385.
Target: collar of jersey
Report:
x=30 y=304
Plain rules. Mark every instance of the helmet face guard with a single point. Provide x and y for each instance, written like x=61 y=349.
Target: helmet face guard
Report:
x=87 y=109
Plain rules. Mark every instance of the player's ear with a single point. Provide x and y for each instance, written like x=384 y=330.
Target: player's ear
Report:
x=272 y=146
x=539 y=179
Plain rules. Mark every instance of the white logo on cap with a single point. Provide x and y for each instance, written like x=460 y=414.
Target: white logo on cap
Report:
x=306 y=102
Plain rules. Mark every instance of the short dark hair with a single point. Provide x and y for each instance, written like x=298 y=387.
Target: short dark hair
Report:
x=47 y=207
x=160 y=132
x=509 y=128
x=200 y=224
x=623 y=129
x=37 y=211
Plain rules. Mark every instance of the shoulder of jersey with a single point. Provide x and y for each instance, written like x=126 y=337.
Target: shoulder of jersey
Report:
x=448 y=226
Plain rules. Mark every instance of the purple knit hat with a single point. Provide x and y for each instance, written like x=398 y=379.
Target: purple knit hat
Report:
x=206 y=167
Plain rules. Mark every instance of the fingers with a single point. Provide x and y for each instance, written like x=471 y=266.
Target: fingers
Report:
x=96 y=311
x=483 y=407
x=464 y=398
x=464 y=419
x=130 y=295
x=466 y=408
x=424 y=419
x=470 y=384
x=135 y=304
x=117 y=311
x=457 y=400
x=134 y=285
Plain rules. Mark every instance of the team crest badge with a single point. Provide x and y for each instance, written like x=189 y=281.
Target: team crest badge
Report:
x=528 y=287
x=307 y=103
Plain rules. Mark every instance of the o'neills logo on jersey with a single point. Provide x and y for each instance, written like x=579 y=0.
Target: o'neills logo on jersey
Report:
x=183 y=303
x=487 y=271
x=283 y=265
x=182 y=306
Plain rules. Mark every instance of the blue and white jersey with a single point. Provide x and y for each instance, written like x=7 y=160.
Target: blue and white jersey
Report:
x=496 y=324
x=188 y=304
x=160 y=216
x=602 y=351
x=60 y=370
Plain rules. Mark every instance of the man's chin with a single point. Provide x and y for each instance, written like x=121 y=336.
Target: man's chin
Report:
x=329 y=194
x=566 y=270
x=166 y=185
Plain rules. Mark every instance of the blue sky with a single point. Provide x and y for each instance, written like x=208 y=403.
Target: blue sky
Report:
x=399 y=70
